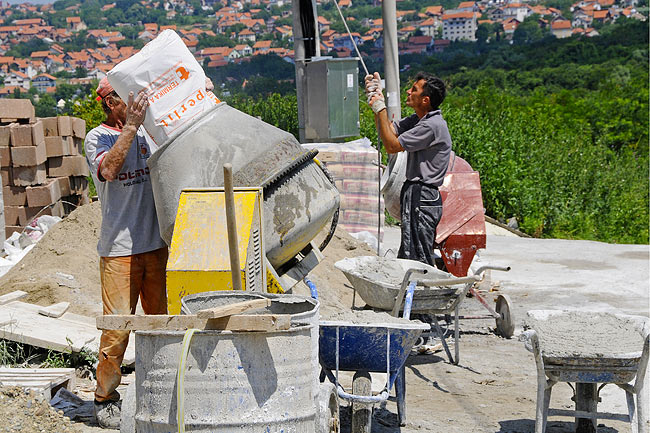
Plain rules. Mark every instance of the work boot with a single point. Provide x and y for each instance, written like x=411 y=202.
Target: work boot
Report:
x=108 y=414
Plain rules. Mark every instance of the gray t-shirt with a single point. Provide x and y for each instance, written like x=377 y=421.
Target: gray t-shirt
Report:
x=129 y=221
x=428 y=144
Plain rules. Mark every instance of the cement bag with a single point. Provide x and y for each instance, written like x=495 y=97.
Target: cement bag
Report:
x=173 y=81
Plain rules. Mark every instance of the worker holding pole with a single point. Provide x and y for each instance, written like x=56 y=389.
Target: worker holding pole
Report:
x=425 y=138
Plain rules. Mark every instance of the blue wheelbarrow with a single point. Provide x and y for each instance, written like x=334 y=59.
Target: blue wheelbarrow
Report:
x=366 y=348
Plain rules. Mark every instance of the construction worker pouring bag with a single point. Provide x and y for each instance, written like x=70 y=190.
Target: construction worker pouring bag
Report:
x=425 y=138
x=133 y=257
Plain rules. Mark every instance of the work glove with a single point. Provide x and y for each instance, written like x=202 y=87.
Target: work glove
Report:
x=374 y=94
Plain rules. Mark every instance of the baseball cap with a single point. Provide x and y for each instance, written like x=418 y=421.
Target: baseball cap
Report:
x=103 y=89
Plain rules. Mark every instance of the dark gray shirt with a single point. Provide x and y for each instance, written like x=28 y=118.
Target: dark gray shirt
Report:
x=428 y=144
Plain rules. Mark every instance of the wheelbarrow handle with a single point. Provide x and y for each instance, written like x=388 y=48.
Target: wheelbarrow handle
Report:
x=402 y=289
x=451 y=281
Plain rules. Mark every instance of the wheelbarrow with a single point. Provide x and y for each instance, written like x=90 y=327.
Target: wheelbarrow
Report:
x=434 y=293
x=586 y=364
x=366 y=348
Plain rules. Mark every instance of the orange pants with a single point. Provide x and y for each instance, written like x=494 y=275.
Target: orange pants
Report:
x=124 y=280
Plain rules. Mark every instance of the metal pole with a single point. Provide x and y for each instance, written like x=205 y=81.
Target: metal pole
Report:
x=231 y=223
x=391 y=59
x=299 y=59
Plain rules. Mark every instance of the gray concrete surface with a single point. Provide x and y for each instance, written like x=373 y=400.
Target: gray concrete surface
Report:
x=563 y=274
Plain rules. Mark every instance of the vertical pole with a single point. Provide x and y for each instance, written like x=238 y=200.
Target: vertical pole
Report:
x=586 y=400
x=231 y=223
x=299 y=59
x=391 y=59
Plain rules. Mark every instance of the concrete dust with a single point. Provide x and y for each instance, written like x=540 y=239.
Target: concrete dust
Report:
x=585 y=334
x=362 y=317
x=69 y=248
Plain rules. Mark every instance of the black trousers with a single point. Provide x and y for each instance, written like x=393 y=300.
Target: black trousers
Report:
x=421 y=213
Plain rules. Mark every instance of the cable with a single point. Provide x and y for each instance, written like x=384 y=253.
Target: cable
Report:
x=351 y=38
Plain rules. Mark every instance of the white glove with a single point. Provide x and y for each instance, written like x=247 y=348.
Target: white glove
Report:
x=374 y=94
x=373 y=83
x=378 y=103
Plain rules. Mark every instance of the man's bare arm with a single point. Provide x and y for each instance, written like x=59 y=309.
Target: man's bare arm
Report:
x=387 y=131
x=114 y=159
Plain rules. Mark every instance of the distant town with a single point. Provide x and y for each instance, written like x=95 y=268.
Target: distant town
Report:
x=71 y=43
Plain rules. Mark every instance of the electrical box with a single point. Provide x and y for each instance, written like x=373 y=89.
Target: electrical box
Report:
x=332 y=98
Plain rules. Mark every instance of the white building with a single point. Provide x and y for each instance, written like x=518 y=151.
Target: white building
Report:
x=459 y=26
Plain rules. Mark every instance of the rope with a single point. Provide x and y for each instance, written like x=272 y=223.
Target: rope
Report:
x=180 y=381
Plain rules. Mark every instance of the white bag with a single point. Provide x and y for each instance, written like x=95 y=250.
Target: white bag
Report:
x=173 y=81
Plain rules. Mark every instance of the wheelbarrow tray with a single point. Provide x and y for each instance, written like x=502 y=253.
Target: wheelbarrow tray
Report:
x=363 y=346
x=617 y=367
x=381 y=294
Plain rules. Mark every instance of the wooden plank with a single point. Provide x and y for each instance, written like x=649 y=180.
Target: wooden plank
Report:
x=68 y=332
x=41 y=379
x=256 y=322
x=12 y=296
x=231 y=309
x=54 y=310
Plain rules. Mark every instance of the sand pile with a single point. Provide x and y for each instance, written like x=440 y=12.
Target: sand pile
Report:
x=27 y=412
x=69 y=249
x=63 y=265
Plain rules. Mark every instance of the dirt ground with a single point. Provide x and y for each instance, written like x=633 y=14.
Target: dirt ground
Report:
x=491 y=390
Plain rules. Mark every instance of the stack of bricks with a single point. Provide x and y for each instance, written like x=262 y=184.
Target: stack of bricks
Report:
x=42 y=165
x=354 y=167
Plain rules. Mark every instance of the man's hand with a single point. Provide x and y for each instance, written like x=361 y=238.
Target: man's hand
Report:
x=136 y=109
x=374 y=93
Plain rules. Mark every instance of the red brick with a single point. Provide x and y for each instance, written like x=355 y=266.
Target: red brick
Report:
x=7 y=176
x=28 y=176
x=5 y=157
x=78 y=127
x=10 y=230
x=21 y=135
x=5 y=135
x=50 y=126
x=14 y=196
x=57 y=146
x=76 y=146
x=67 y=166
x=38 y=136
x=27 y=156
x=43 y=195
x=64 y=186
x=65 y=126
x=16 y=109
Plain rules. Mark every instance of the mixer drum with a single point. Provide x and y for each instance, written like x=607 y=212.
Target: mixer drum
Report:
x=298 y=197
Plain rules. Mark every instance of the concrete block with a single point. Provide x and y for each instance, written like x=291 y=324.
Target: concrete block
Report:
x=50 y=126
x=5 y=157
x=65 y=126
x=27 y=156
x=17 y=109
x=38 y=135
x=78 y=127
x=21 y=135
x=78 y=184
x=11 y=229
x=57 y=146
x=76 y=146
x=67 y=166
x=7 y=176
x=64 y=186
x=15 y=215
x=5 y=135
x=28 y=176
x=43 y=195
x=14 y=196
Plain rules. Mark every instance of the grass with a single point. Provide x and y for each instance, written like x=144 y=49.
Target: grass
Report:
x=20 y=355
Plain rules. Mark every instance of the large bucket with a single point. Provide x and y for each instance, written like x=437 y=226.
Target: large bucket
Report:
x=234 y=381
x=298 y=197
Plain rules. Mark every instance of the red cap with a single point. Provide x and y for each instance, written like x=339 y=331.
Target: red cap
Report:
x=104 y=88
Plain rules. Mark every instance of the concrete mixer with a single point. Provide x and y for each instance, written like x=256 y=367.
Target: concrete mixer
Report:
x=284 y=198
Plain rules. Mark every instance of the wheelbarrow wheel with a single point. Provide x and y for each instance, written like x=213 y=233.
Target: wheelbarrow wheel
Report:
x=361 y=413
x=506 y=321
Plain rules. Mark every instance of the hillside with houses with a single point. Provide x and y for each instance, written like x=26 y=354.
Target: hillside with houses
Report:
x=57 y=49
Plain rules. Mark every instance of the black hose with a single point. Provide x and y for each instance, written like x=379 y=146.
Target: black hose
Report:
x=335 y=217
